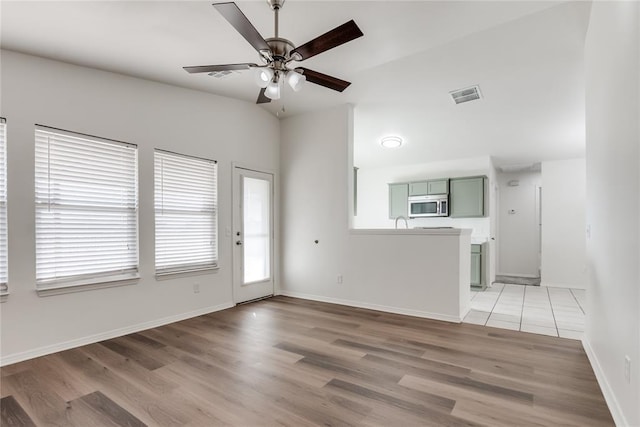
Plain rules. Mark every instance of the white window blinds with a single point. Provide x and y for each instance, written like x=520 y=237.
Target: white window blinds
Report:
x=3 y=207
x=86 y=209
x=186 y=213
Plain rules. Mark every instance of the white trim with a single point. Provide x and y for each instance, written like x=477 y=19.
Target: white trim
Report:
x=187 y=273
x=525 y=276
x=385 y=308
x=410 y=231
x=561 y=285
x=43 y=351
x=607 y=391
x=88 y=285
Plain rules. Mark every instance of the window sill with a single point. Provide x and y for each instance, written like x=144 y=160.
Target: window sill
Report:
x=186 y=273
x=81 y=287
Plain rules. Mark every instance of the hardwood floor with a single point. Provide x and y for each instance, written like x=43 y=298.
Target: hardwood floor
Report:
x=291 y=362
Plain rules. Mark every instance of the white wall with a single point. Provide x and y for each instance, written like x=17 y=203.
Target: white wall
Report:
x=613 y=203
x=564 y=241
x=385 y=272
x=518 y=237
x=149 y=114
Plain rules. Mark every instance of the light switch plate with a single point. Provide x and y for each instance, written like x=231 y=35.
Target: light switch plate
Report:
x=627 y=369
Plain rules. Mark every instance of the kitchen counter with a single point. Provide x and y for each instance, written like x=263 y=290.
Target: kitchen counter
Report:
x=417 y=231
x=421 y=272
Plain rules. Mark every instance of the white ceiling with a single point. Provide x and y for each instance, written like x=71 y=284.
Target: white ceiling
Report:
x=526 y=56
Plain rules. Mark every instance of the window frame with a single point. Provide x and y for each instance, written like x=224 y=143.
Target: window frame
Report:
x=97 y=279
x=4 y=240
x=185 y=268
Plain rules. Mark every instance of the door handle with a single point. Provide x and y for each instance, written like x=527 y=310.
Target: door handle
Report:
x=239 y=242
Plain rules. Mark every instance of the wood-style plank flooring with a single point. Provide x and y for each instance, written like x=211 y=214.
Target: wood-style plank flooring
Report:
x=291 y=362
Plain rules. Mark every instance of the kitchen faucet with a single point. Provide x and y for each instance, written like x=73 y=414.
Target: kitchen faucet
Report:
x=406 y=224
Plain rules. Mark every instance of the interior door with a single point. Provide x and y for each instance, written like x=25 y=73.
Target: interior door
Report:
x=252 y=234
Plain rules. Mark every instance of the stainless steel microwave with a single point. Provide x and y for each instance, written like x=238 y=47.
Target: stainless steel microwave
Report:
x=425 y=206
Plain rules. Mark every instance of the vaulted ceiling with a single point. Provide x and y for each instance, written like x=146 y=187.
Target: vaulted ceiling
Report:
x=526 y=57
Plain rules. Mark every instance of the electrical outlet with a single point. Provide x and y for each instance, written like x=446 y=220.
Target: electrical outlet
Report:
x=340 y=278
x=196 y=288
x=627 y=368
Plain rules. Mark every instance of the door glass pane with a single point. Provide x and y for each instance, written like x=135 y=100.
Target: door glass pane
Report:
x=257 y=230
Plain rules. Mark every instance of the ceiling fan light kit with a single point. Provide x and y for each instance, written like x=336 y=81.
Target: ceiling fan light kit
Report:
x=295 y=80
x=272 y=91
x=277 y=53
x=263 y=76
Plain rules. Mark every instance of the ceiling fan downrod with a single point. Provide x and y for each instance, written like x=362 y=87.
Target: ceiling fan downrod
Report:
x=276 y=5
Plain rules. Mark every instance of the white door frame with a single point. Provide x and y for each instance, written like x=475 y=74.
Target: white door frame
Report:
x=236 y=226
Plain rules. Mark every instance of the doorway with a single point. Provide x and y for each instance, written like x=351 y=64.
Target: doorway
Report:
x=252 y=234
x=519 y=227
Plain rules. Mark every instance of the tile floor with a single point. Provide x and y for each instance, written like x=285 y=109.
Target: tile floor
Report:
x=540 y=310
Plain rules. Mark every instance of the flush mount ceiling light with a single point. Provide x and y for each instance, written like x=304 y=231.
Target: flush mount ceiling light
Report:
x=277 y=54
x=391 y=142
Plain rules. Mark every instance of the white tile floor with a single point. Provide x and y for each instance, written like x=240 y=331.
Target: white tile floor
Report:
x=537 y=309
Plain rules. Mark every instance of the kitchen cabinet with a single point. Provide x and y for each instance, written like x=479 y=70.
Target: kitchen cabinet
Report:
x=398 y=195
x=434 y=186
x=419 y=188
x=466 y=197
x=476 y=265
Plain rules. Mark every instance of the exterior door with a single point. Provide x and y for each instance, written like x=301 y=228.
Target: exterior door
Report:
x=252 y=234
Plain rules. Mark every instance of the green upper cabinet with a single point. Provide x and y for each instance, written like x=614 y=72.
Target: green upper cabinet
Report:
x=440 y=186
x=398 y=203
x=466 y=199
x=422 y=188
x=419 y=188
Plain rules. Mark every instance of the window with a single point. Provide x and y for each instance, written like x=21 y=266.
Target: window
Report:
x=86 y=209
x=3 y=208
x=186 y=213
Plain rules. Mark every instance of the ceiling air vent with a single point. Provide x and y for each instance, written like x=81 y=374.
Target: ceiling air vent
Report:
x=465 y=95
x=222 y=74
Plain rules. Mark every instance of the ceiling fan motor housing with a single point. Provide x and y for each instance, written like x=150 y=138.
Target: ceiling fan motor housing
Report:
x=280 y=48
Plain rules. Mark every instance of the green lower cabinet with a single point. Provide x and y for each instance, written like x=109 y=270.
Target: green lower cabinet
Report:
x=466 y=197
x=476 y=266
x=398 y=200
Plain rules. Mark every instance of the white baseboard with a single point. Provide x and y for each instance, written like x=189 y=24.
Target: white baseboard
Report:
x=43 y=351
x=388 y=309
x=607 y=391
x=561 y=285
x=526 y=276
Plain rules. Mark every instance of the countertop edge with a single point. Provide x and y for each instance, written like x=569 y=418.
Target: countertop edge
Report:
x=411 y=231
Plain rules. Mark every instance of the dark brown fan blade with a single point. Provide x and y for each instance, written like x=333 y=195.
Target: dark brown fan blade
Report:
x=234 y=15
x=339 y=35
x=262 y=98
x=211 y=68
x=324 y=80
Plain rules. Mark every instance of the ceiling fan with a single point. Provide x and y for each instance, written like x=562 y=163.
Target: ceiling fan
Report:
x=277 y=54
